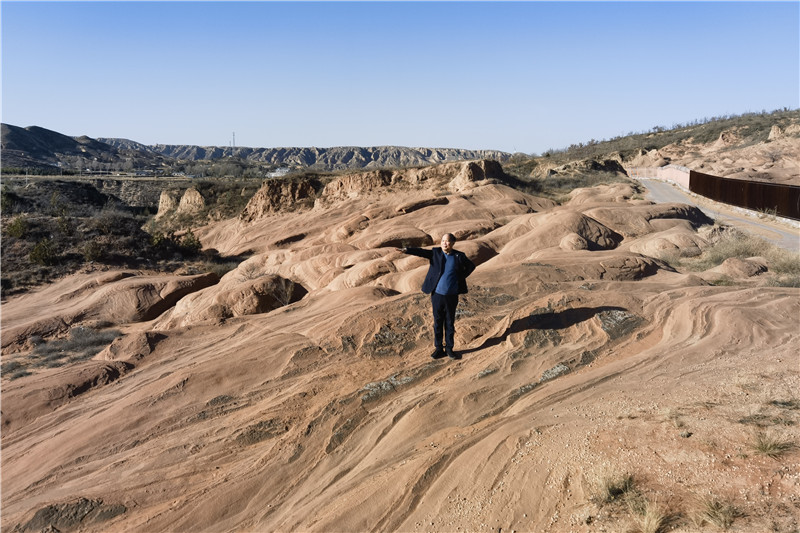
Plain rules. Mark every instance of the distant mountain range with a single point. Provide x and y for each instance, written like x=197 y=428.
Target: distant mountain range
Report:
x=38 y=148
x=41 y=149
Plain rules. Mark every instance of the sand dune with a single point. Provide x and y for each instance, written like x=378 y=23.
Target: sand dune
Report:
x=296 y=393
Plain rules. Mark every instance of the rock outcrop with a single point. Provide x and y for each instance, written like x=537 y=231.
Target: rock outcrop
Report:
x=276 y=195
x=167 y=203
x=191 y=202
x=281 y=194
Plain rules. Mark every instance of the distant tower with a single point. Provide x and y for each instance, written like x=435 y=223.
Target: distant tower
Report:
x=234 y=140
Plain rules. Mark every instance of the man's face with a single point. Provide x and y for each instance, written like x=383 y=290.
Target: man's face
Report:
x=447 y=244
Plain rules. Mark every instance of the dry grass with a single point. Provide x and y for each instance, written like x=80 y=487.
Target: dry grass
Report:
x=81 y=343
x=250 y=271
x=720 y=512
x=771 y=445
x=784 y=265
x=674 y=416
x=612 y=486
x=648 y=515
x=732 y=243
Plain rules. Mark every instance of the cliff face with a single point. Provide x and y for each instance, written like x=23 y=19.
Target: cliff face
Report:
x=275 y=195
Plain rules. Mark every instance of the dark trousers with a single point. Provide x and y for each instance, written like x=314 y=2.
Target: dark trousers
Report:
x=444 y=317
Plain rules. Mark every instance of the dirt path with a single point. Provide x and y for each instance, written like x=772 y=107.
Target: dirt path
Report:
x=784 y=235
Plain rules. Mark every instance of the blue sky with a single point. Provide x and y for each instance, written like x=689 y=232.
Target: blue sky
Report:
x=513 y=76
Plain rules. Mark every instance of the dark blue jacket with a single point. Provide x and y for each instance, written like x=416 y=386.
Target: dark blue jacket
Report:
x=437 y=259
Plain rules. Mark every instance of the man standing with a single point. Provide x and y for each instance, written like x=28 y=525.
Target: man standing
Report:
x=446 y=279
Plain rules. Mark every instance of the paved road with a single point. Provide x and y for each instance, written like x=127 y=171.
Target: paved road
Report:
x=784 y=235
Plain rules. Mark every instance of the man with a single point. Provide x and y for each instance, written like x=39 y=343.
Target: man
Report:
x=446 y=279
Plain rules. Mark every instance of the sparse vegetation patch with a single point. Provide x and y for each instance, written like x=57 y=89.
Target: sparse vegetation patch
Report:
x=80 y=344
x=53 y=228
x=648 y=515
x=720 y=512
x=613 y=486
x=726 y=243
x=771 y=445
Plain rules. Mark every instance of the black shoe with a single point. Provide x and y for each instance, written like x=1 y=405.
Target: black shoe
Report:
x=453 y=355
x=438 y=354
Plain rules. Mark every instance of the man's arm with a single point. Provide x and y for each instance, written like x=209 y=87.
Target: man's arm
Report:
x=419 y=252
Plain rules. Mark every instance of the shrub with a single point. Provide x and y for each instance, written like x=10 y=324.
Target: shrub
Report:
x=8 y=200
x=159 y=239
x=92 y=251
x=113 y=221
x=784 y=281
x=10 y=366
x=250 y=271
x=18 y=227
x=733 y=244
x=190 y=243
x=14 y=370
x=44 y=253
x=66 y=225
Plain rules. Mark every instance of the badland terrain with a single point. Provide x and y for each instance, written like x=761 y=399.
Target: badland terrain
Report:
x=256 y=357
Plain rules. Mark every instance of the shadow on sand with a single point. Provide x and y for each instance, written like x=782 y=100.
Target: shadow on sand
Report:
x=550 y=320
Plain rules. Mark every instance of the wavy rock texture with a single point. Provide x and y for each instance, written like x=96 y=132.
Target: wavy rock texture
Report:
x=297 y=392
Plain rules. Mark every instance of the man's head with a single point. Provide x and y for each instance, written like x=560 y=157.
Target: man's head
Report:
x=448 y=240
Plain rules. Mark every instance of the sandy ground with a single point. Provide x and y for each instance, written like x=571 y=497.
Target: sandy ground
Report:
x=297 y=393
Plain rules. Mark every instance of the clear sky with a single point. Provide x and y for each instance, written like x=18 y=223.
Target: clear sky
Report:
x=513 y=76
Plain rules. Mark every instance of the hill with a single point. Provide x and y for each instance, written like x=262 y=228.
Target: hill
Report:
x=612 y=373
x=40 y=150
x=327 y=159
x=753 y=146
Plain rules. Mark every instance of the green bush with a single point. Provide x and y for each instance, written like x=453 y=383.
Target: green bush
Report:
x=18 y=227
x=92 y=251
x=44 y=253
x=190 y=243
x=66 y=225
x=8 y=200
x=159 y=239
